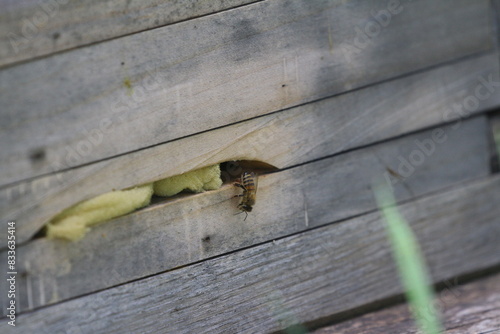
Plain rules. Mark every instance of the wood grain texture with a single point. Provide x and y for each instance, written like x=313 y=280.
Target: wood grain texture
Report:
x=282 y=139
x=296 y=279
x=469 y=308
x=198 y=227
x=31 y=28
x=113 y=98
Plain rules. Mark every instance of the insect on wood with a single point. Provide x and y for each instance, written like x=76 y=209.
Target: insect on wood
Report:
x=248 y=183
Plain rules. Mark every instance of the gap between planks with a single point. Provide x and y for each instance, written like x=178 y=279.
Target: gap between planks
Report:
x=473 y=307
x=225 y=68
x=174 y=234
x=72 y=25
x=297 y=279
x=422 y=100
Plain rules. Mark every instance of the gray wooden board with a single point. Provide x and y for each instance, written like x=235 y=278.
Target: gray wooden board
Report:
x=282 y=139
x=300 y=278
x=31 y=28
x=469 y=308
x=83 y=105
x=175 y=233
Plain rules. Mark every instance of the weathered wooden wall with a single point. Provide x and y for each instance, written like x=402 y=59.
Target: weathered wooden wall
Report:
x=108 y=96
x=478 y=302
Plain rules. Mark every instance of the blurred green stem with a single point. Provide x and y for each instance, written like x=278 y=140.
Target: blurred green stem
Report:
x=410 y=263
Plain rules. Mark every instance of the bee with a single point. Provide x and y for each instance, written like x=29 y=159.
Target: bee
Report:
x=249 y=185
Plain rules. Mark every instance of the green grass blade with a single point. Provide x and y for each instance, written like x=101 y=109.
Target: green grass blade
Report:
x=410 y=263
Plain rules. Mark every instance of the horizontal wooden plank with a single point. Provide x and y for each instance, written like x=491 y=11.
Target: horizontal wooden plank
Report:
x=313 y=131
x=197 y=227
x=468 y=308
x=144 y=89
x=297 y=279
x=31 y=28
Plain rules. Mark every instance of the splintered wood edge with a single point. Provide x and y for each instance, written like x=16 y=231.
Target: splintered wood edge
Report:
x=226 y=68
x=313 y=130
x=193 y=228
x=297 y=279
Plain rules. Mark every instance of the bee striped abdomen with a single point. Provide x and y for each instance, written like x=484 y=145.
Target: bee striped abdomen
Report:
x=249 y=186
x=249 y=182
